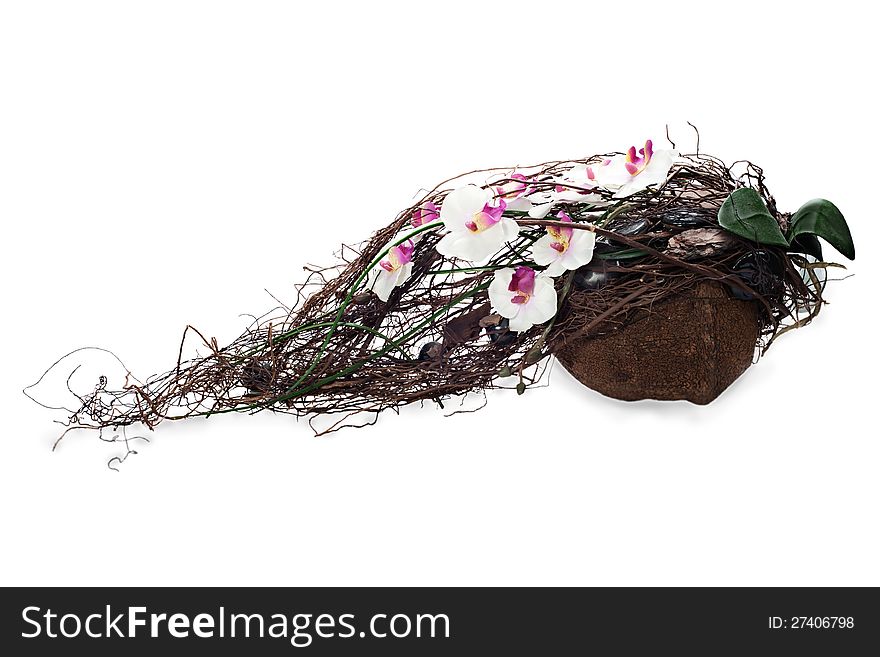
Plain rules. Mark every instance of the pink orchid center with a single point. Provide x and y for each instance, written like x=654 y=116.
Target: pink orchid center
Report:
x=398 y=256
x=522 y=284
x=561 y=234
x=636 y=162
x=424 y=214
x=486 y=218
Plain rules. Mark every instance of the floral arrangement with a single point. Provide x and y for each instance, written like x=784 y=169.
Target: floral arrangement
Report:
x=488 y=275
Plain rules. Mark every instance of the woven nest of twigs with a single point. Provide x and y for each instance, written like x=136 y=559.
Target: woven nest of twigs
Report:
x=342 y=351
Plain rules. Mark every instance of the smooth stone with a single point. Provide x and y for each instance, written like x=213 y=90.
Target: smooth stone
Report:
x=688 y=219
x=760 y=270
x=431 y=351
x=629 y=227
x=500 y=333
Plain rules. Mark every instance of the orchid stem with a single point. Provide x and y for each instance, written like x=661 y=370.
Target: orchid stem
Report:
x=381 y=352
x=347 y=301
x=390 y=346
x=534 y=354
x=436 y=272
x=624 y=254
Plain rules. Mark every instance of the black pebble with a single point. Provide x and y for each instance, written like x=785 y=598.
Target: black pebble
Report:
x=500 y=333
x=688 y=219
x=431 y=351
x=629 y=227
x=760 y=270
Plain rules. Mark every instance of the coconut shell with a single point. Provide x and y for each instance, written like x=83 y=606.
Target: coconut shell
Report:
x=691 y=347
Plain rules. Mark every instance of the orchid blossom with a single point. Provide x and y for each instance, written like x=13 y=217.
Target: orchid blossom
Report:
x=564 y=248
x=523 y=297
x=575 y=185
x=634 y=170
x=477 y=230
x=393 y=269
x=424 y=214
x=571 y=186
x=514 y=192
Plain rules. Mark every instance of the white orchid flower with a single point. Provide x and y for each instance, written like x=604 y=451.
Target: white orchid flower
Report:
x=393 y=269
x=542 y=204
x=514 y=191
x=574 y=185
x=477 y=230
x=563 y=248
x=633 y=171
x=571 y=186
x=523 y=297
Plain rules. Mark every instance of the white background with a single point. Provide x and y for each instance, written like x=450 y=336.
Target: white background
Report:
x=225 y=145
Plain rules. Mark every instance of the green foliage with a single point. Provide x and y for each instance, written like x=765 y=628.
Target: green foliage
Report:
x=743 y=213
x=806 y=243
x=822 y=218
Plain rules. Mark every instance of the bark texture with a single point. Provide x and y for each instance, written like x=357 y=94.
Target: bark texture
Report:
x=691 y=347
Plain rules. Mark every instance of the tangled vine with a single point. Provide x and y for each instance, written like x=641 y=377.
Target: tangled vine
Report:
x=340 y=350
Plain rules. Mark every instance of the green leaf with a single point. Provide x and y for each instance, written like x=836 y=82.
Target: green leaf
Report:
x=806 y=243
x=822 y=218
x=743 y=213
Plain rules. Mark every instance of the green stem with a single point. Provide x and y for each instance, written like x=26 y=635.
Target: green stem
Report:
x=534 y=354
x=621 y=255
x=394 y=344
x=361 y=327
x=381 y=352
x=613 y=212
x=436 y=272
x=347 y=301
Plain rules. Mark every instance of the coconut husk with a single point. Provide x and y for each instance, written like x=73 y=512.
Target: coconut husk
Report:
x=691 y=347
